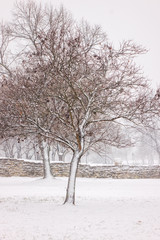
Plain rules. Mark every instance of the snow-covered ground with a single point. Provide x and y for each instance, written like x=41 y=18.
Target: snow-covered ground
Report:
x=106 y=209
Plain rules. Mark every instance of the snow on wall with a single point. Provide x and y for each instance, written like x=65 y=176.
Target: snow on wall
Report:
x=12 y=167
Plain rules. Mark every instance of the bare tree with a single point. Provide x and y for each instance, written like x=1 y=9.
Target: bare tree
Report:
x=6 y=57
x=61 y=152
x=150 y=135
x=150 y=129
x=8 y=147
x=73 y=86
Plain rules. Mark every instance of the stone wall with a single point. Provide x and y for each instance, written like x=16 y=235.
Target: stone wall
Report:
x=23 y=168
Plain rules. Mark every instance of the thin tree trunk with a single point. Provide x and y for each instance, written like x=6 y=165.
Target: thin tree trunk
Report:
x=70 y=193
x=77 y=154
x=19 y=149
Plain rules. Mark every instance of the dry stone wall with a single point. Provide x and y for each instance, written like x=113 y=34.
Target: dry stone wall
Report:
x=23 y=168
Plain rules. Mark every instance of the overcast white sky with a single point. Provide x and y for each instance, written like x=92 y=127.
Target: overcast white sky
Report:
x=138 y=20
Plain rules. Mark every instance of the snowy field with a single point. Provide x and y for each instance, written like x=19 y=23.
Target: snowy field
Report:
x=106 y=209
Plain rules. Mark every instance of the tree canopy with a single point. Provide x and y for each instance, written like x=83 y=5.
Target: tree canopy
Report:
x=67 y=82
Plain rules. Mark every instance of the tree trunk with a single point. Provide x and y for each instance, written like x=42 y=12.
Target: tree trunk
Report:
x=19 y=149
x=46 y=162
x=70 y=193
x=46 y=168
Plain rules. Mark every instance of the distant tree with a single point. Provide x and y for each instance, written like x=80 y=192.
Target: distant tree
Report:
x=150 y=128
x=6 y=56
x=61 y=152
x=150 y=136
x=73 y=86
x=8 y=148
